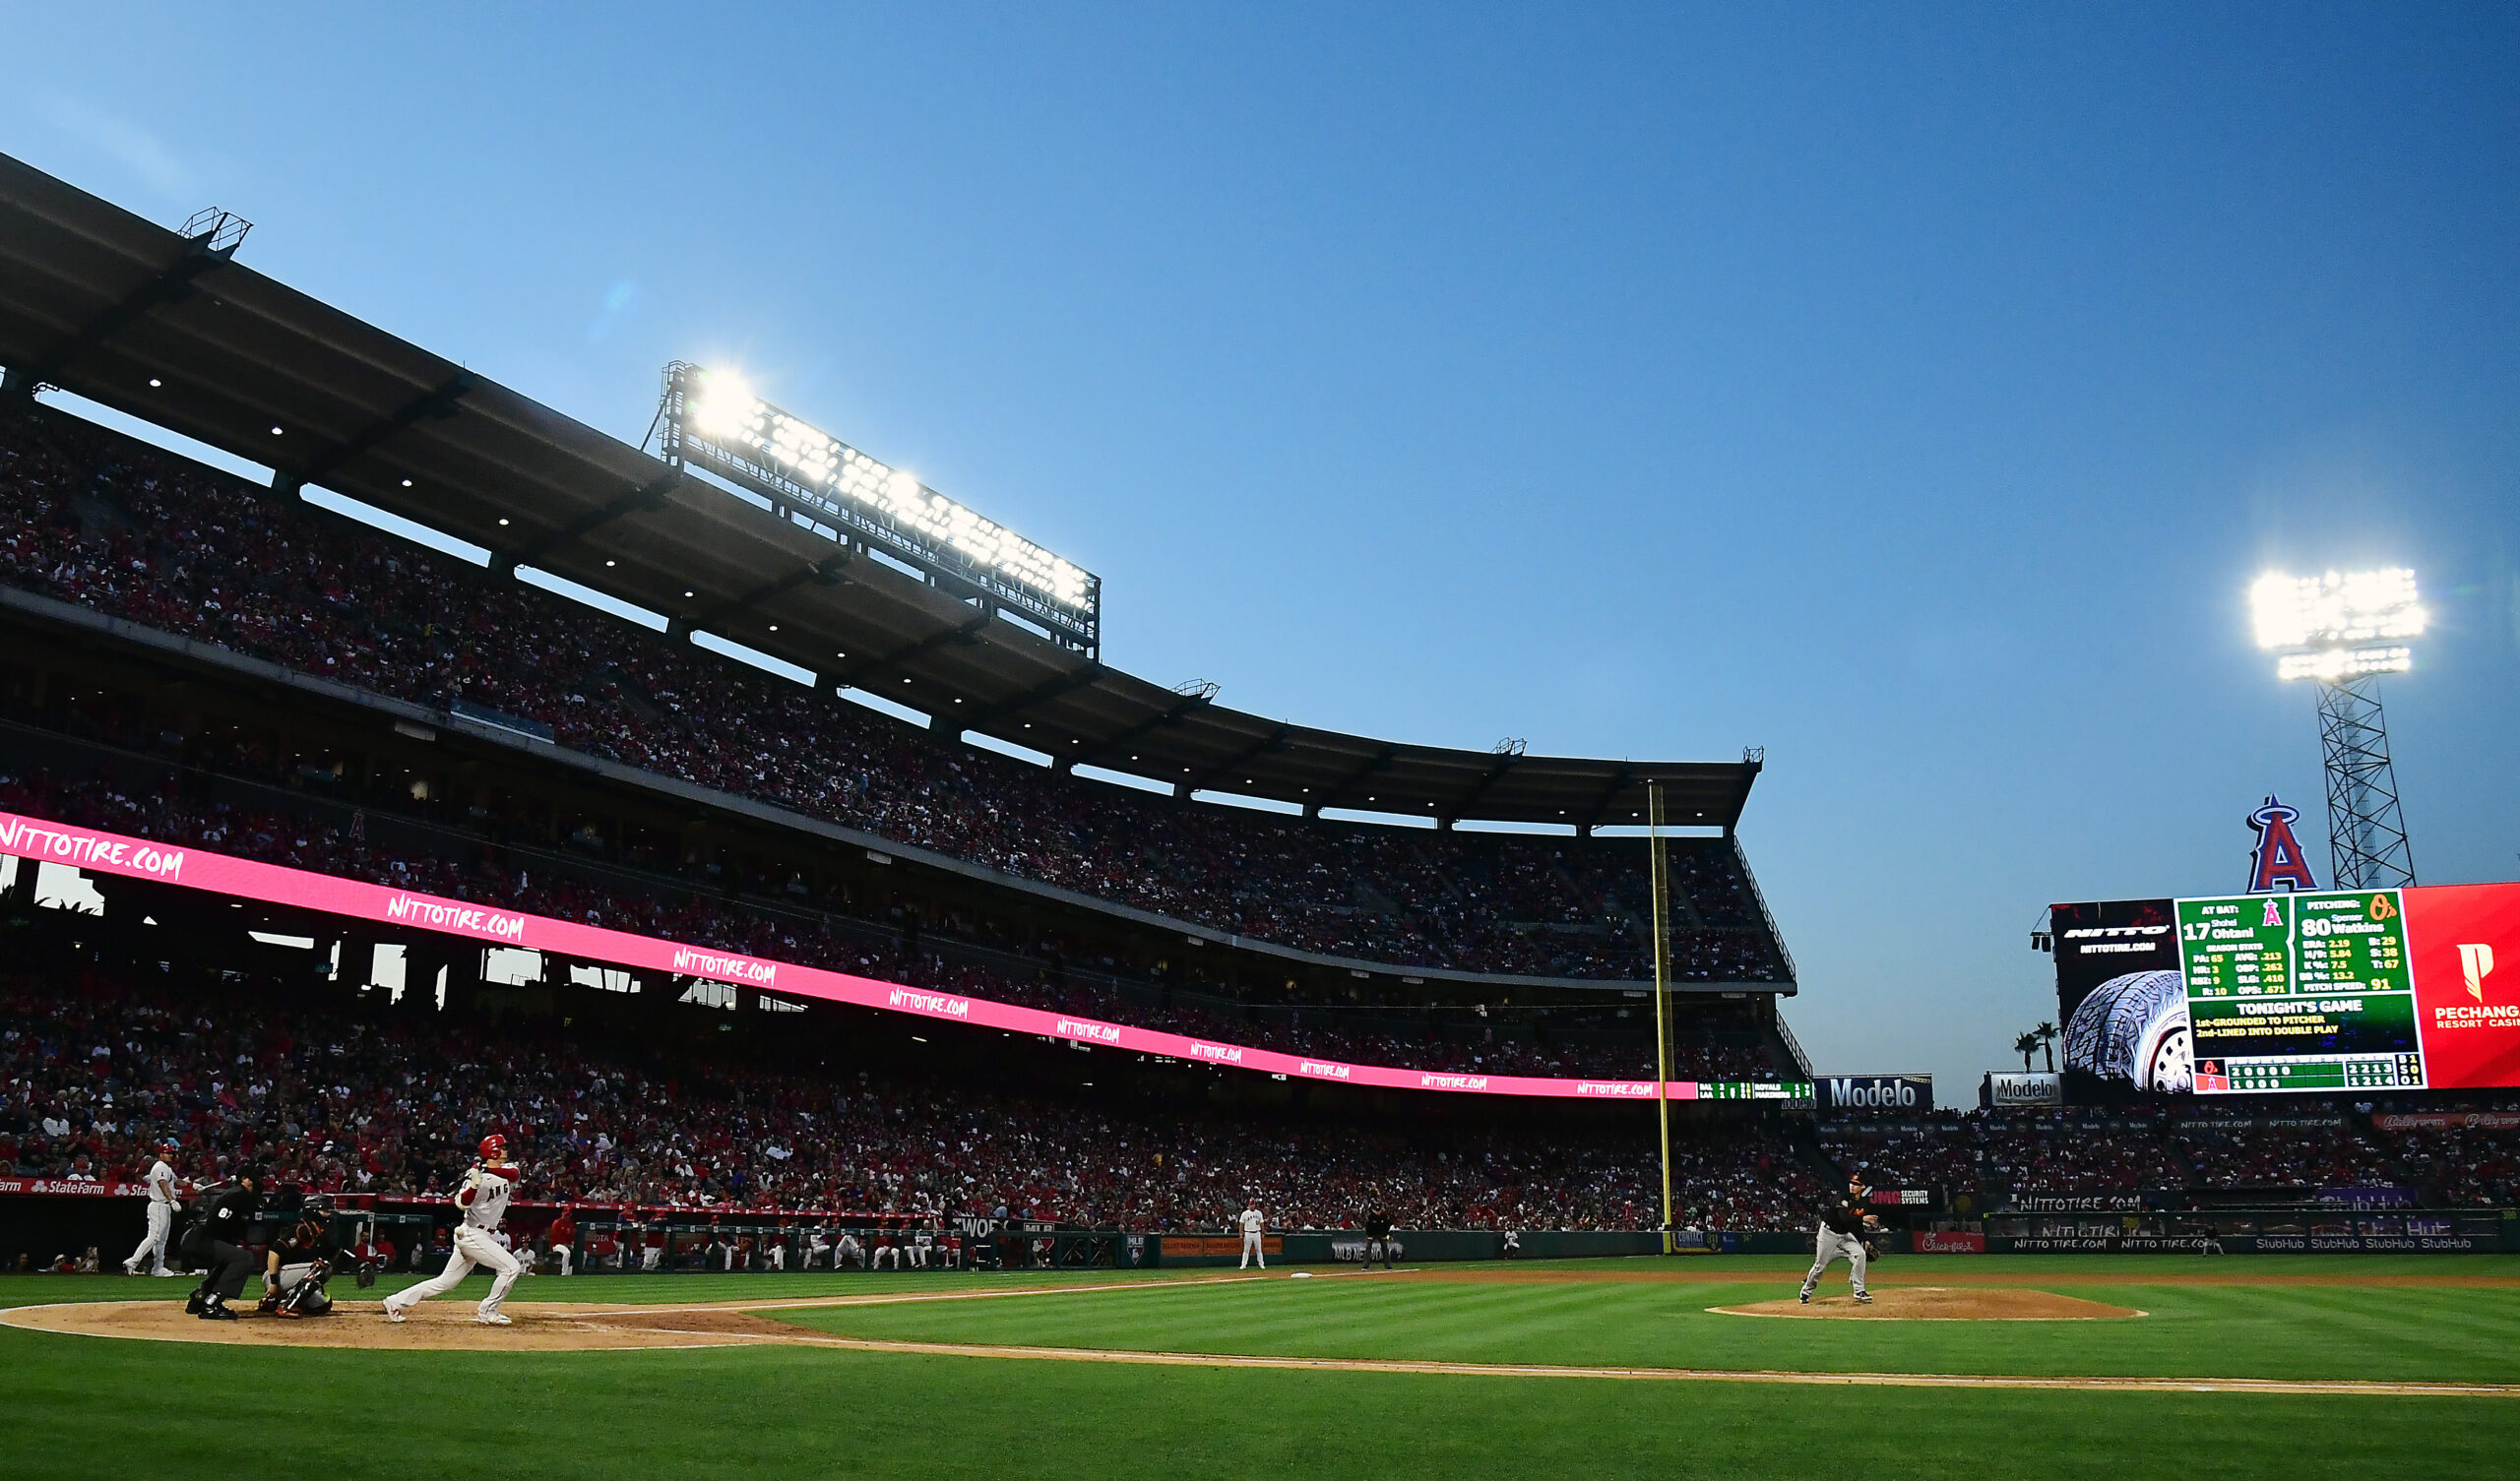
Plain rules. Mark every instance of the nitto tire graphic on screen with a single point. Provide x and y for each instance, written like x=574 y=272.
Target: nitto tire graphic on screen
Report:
x=2134 y=1028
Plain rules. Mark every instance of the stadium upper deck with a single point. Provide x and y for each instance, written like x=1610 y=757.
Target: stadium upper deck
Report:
x=102 y=303
x=209 y=349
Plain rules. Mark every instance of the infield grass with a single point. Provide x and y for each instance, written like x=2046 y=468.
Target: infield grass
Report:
x=93 y=1407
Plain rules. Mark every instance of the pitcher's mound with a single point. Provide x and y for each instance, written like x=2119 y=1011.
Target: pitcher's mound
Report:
x=538 y=1326
x=1933 y=1303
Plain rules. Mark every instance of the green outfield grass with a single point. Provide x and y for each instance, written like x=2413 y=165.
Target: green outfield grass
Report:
x=90 y=1407
x=2302 y=1332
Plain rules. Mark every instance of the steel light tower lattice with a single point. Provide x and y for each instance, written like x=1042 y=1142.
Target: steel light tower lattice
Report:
x=2367 y=840
x=2344 y=631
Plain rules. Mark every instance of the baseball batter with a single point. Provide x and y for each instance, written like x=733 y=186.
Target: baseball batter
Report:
x=1841 y=1232
x=162 y=1216
x=1253 y=1221
x=484 y=1198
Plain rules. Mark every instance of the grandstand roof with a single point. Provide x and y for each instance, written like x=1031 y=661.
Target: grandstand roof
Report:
x=110 y=306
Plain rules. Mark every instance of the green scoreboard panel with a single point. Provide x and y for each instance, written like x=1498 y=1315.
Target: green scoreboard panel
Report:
x=1735 y=1089
x=2300 y=992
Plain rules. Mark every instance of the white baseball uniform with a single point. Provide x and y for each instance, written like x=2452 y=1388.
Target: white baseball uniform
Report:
x=485 y=1199
x=1253 y=1224
x=162 y=1222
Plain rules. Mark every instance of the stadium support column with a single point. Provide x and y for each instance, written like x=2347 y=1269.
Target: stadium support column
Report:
x=2367 y=839
x=1662 y=992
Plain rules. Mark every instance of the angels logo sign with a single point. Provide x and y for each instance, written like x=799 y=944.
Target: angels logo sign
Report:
x=2277 y=863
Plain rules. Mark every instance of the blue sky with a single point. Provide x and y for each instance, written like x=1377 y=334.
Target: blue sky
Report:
x=1913 y=395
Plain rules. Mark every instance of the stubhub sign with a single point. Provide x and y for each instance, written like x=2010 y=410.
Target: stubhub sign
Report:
x=1876 y=1092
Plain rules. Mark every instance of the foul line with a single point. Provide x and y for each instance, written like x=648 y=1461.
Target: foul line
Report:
x=2341 y=1388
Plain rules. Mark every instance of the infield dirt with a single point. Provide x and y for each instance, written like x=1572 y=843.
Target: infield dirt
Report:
x=1934 y=1303
x=538 y=1326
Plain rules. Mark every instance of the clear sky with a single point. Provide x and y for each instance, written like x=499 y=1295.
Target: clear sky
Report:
x=1913 y=395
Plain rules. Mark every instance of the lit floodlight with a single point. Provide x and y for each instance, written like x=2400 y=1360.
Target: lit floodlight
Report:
x=722 y=405
x=2336 y=610
x=721 y=410
x=2344 y=663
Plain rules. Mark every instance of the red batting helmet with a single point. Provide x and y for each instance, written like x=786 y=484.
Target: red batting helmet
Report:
x=494 y=1148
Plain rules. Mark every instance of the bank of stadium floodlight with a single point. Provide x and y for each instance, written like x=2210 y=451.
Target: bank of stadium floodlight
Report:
x=2343 y=630
x=714 y=420
x=2341 y=616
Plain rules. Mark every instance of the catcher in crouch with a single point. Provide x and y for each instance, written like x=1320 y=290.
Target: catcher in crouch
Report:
x=484 y=1198
x=297 y=1265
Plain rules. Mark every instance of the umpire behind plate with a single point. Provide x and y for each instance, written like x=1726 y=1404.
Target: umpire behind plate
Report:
x=299 y=1263
x=211 y=1242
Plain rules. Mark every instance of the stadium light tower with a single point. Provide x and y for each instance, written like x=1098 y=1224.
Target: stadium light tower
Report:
x=2343 y=632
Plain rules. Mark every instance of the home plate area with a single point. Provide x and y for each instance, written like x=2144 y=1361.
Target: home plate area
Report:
x=538 y=1327
x=1934 y=1303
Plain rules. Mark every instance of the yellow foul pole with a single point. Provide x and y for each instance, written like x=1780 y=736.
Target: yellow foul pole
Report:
x=1662 y=991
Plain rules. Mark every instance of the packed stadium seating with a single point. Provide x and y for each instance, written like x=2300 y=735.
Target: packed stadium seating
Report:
x=798 y=934
x=1942 y=1153
x=2289 y=1145
x=92 y=518
x=2337 y=1157
x=335 y=1103
x=2464 y=1165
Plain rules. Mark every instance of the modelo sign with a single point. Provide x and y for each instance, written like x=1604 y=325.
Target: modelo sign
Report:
x=2012 y=1088
x=1876 y=1092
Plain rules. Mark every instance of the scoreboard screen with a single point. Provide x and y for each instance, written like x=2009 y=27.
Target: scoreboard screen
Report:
x=2300 y=992
x=2317 y=991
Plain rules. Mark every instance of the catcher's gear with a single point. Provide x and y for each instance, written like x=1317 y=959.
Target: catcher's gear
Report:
x=366 y=1276
x=307 y=1297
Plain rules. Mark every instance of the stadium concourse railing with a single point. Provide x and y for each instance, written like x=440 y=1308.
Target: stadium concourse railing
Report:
x=47 y=842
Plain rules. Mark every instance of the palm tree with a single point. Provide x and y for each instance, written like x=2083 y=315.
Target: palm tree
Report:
x=2026 y=1046
x=2048 y=1037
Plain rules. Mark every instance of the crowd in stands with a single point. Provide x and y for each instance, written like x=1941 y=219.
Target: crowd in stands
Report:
x=2129 y=1150
x=2078 y=1155
x=801 y=937
x=1938 y=1154
x=2233 y=1156
x=91 y=1074
x=2468 y=1165
x=97 y=520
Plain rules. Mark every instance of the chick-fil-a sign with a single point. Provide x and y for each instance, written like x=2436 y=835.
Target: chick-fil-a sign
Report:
x=279 y=884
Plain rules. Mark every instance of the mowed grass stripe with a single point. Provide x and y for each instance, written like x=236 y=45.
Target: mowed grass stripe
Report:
x=84 y=1409
x=2294 y=1332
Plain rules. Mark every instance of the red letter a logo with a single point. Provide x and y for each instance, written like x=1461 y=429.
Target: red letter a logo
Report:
x=2277 y=862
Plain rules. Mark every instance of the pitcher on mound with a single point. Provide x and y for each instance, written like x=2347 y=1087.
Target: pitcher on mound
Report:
x=484 y=1198
x=1841 y=1233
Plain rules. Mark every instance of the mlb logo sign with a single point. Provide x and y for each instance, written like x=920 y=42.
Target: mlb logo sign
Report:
x=2210 y=1077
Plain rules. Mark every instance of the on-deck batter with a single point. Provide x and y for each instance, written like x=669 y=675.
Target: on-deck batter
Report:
x=162 y=1216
